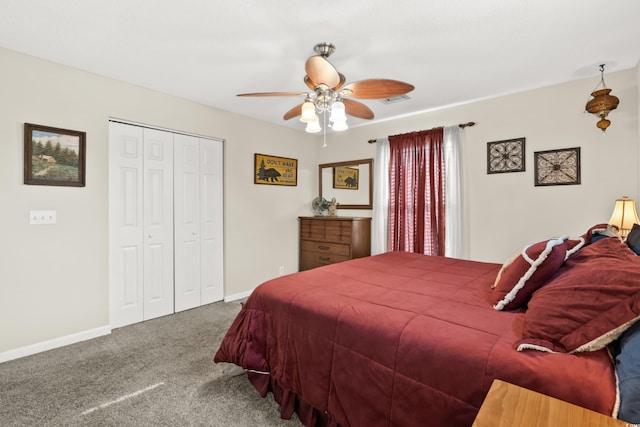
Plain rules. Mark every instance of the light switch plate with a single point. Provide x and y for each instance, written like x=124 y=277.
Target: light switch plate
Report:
x=42 y=217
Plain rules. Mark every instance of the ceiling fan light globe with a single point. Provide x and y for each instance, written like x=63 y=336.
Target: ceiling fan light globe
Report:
x=308 y=112
x=338 y=112
x=313 y=126
x=340 y=125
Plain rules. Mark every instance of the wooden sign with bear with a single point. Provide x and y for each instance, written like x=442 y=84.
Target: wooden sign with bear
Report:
x=275 y=170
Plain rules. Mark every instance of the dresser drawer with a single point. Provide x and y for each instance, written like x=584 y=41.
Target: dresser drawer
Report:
x=325 y=247
x=310 y=259
x=334 y=231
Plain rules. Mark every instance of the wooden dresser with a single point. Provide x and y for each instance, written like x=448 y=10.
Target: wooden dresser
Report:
x=327 y=240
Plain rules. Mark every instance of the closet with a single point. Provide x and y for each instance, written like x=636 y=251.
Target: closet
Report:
x=165 y=222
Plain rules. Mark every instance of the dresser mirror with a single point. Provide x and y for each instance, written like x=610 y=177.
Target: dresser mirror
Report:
x=349 y=182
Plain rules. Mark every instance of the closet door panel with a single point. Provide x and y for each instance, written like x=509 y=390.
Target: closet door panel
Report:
x=211 y=166
x=126 y=224
x=158 y=223
x=187 y=221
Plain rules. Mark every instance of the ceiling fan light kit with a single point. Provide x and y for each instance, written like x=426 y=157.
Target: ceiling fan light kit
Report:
x=329 y=95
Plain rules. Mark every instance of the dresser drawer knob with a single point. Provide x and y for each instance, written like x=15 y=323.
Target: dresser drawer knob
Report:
x=324 y=258
x=324 y=248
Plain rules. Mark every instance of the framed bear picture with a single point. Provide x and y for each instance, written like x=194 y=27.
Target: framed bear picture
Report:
x=346 y=178
x=275 y=170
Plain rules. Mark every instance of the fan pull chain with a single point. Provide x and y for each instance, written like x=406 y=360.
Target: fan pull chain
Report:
x=324 y=128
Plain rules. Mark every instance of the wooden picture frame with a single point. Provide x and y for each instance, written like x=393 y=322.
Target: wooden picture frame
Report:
x=54 y=156
x=506 y=156
x=274 y=170
x=346 y=178
x=557 y=167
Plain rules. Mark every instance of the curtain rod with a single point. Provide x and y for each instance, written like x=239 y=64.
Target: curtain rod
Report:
x=461 y=126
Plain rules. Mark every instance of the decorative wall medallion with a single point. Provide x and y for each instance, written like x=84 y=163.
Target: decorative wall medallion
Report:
x=506 y=156
x=557 y=167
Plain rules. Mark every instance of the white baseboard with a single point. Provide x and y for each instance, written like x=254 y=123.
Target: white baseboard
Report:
x=54 y=343
x=235 y=297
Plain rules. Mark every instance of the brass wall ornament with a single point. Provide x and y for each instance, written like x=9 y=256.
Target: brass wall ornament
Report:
x=602 y=102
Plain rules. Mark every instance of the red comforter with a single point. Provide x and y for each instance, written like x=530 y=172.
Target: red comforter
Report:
x=397 y=339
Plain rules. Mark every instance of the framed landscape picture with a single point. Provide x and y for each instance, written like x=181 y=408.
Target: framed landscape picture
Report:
x=54 y=156
x=275 y=170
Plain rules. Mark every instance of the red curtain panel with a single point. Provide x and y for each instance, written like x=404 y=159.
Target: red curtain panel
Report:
x=416 y=187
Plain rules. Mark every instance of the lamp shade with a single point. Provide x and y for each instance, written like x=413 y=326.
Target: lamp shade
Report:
x=308 y=112
x=624 y=215
x=338 y=112
x=340 y=125
x=313 y=126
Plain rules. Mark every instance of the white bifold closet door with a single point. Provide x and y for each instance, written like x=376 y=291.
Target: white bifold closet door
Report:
x=165 y=222
x=198 y=221
x=141 y=223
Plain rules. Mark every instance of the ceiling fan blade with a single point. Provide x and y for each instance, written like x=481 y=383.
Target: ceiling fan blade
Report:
x=357 y=109
x=273 y=94
x=376 y=89
x=294 y=112
x=320 y=71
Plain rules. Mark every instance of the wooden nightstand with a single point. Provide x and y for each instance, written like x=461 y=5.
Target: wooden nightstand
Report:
x=508 y=405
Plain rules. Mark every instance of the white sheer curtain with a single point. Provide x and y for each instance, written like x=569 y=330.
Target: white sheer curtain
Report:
x=380 y=198
x=453 y=196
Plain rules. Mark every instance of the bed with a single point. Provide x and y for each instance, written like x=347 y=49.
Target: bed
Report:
x=403 y=339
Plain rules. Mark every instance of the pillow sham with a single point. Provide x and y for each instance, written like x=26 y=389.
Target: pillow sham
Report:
x=527 y=272
x=598 y=232
x=633 y=239
x=591 y=301
x=628 y=372
x=573 y=246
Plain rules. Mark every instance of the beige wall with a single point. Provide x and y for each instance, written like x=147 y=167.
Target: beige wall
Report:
x=503 y=212
x=53 y=279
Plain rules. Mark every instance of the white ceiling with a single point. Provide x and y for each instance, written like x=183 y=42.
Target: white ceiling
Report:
x=452 y=51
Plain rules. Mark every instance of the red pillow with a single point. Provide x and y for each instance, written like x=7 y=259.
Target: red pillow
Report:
x=593 y=299
x=574 y=245
x=528 y=272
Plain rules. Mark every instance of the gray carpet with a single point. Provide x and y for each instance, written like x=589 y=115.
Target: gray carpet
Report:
x=155 y=373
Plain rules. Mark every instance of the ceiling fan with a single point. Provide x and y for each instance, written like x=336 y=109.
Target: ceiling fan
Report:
x=329 y=94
